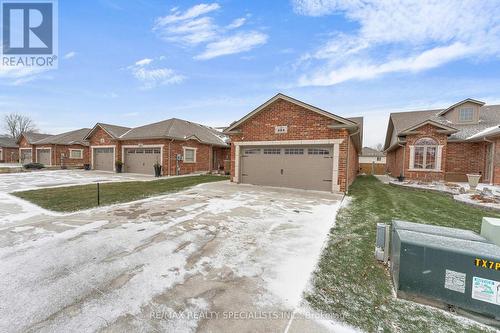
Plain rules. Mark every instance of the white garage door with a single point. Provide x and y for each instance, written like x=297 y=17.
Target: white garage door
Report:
x=303 y=167
x=25 y=156
x=43 y=156
x=141 y=160
x=103 y=159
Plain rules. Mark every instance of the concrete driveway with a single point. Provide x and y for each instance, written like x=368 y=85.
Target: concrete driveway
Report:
x=219 y=257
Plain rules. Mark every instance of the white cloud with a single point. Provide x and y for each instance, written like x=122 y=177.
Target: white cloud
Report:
x=238 y=43
x=152 y=76
x=70 y=55
x=20 y=75
x=397 y=36
x=236 y=23
x=144 y=62
x=196 y=27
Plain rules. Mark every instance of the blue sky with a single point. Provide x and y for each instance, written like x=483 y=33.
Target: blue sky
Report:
x=136 y=62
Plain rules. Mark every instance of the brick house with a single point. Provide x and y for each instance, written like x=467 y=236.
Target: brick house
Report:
x=27 y=150
x=288 y=143
x=68 y=150
x=180 y=146
x=445 y=144
x=9 y=150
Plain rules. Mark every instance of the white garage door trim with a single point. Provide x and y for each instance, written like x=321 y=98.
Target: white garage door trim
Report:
x=92 y=155
x=42 y=148
x=144 y=146
x=336 y=150
x=21 y=154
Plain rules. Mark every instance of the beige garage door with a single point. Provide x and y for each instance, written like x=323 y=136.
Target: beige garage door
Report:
x=141 y=160
x=43 y=156
x=103 y=159
x=25 y=156
x=303 y=167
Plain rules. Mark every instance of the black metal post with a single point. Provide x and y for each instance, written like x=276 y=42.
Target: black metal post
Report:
x=98 y=196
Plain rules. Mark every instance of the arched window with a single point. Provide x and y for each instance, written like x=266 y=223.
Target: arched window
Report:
x=425 y=154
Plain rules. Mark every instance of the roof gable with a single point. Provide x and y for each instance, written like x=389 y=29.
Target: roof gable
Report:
x=296 y=102
x=467 y=100
x=443 y=128
x=113 y=131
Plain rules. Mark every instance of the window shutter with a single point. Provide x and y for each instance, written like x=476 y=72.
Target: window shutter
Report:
x=412 y=157
x=438 y=157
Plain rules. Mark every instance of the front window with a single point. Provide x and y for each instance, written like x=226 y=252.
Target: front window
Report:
x=424 y=155
x=76 y=154
x=466 y=115
x=189 y=155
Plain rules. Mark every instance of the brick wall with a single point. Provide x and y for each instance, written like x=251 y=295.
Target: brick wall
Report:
x=170 y=150
x=221 y=157
x=394 y=164
x=353 y=162
x=10 y=155
x=463 y=158
x=426 y=131
x=496 y=168
x=23 y=143
x=302 y=123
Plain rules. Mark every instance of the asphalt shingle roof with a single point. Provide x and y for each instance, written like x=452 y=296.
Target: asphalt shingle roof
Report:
x=7 y=142
x=176 y=129
x=489 y=116
x=114 y=130
x=68 y=138
x=32 y=137
x=370 y=152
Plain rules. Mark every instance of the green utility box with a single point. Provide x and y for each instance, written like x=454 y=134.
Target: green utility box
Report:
x=452 y=266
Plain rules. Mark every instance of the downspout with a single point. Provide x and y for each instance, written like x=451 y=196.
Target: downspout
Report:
x=169 y=157
x=404 y=158
x=492 y=165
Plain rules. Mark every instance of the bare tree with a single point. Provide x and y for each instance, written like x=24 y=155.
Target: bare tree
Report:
x=15 y=124
x=379 y=147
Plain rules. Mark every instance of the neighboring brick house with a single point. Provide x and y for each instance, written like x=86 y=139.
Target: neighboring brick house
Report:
x=180 y=146
x=68 y=150
x=445 y=144
x=9 y=150
x=27 y=151
x=288 y=143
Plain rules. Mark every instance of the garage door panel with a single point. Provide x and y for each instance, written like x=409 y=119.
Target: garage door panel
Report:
x=302 y=167
x=26 y=156
x=43 y=156
x=103 y=159
x=142 y=160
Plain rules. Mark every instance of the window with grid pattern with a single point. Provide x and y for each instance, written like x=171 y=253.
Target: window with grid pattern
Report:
x=272 y=151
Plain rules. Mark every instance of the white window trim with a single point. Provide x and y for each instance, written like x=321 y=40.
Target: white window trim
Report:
x=184 y=154
x=21 y=153
x=43 y=148
x=439 y=155
x=92 y=155
x=74 y=158
x=238 y=145
x=143 y=146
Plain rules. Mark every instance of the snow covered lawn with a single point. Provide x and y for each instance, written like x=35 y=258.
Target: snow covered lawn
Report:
x=219 y=257
x=487 y=196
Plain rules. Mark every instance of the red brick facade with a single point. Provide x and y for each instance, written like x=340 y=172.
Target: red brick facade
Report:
x=303 y=124
x=171 y=148
x=458 y=158
x=60 y=155
x=9 y=155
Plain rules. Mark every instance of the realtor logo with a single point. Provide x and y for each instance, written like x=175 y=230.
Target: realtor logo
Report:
x=29 y=33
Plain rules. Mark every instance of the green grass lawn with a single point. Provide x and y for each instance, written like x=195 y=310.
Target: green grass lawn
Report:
x=73 y=198
x=351 y=285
